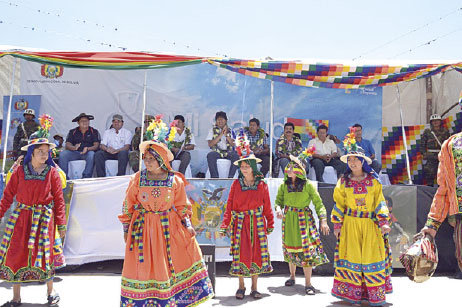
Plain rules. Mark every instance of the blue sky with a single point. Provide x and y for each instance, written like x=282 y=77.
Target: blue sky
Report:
x=324 y=30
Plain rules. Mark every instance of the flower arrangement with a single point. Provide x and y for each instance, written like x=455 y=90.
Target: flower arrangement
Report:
x=159 y=131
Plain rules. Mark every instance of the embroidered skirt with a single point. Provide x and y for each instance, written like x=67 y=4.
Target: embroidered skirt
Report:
x=249 y=245
x=163 y=263
x=301 y=243
x=26 y=249
x=362 y=261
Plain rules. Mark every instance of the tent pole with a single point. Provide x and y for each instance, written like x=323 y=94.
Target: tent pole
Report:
x=408 y=167
x=271 y=130
x=143 y=114
x=8 y=119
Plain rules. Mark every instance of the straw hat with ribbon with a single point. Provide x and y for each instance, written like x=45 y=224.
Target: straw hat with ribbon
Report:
x=41 y=136
x=352 y=148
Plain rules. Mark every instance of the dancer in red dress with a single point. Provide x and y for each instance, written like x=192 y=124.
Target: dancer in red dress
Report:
x=249 y=217
x=26 y=250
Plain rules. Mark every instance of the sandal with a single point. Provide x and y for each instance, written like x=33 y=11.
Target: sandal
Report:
x=12 y=304
x=310 y=290
x=53 y=300
x=255 y=294
x=240 y=294
x=290 y=282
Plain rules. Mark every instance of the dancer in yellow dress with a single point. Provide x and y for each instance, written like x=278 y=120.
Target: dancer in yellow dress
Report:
x=360 y=217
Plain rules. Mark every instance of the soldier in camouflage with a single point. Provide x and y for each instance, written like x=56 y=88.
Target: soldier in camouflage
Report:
x=25 y=129
x=134 y=155
x=430 y=146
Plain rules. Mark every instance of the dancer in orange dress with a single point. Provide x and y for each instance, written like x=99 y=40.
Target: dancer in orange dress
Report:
x=163 y=263
x=26 y=250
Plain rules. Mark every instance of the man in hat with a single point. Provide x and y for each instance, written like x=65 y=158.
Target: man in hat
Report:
x=134 y=155
x=221 y=141
x=81 y=144
x=25 y=130
x=430 y=146
x=115 y=145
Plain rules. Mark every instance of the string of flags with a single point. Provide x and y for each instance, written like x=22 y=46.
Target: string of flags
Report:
x=101 y=26
x=441 y=18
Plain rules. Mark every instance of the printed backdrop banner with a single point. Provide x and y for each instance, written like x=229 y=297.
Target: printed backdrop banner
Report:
x=197 y=92
x=18 y=105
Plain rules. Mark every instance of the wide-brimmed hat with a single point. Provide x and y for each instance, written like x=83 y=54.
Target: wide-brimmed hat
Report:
x=296 y=160
x=160 y=148
x=243 y=148
x=41 y=136
x=251 y=156
x=357 y=153
x=83 y=115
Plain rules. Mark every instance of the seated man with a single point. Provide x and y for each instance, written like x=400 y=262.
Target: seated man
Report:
x=134 y=156
x=221 y=141
x=115 y=145
x=325 y=154
x=81 y=144
x=287 y=144
x=258 y=143
x=366 y=145
x=183 y=143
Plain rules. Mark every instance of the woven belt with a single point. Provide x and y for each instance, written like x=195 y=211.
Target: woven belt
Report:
x=238 y=220
x=359 y=214
x=136 y=238
x=304 y=227
x=41 y=215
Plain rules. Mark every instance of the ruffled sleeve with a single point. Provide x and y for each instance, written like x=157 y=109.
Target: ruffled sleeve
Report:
x=280 y=197
x=339 y=204
x=10 y=191
x=59 y=206
x=229 y=207
x=181 y=201
x=381 y=210
x=267 y=211
x=130 y=201
x=317 y=201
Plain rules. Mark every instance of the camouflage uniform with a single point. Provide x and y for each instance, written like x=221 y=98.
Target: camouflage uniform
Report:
x=134 y=155
x=22 y=135
x=430 y=149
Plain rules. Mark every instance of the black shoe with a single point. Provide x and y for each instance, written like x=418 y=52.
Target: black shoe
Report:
x=12 y=304
x=458 y=275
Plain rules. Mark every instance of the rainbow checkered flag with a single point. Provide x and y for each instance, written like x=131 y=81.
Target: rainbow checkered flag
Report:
x=306 y=127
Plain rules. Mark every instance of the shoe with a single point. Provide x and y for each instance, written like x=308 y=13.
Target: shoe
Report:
x=53 y=299
x=12 y=304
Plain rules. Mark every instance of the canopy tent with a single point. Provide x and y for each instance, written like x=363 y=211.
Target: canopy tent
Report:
x=309 y=74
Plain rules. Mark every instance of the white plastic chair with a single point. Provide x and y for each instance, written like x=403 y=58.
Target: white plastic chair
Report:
x=75 y=169
x=329 y=175
x=176 y=167
x=223 y=166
